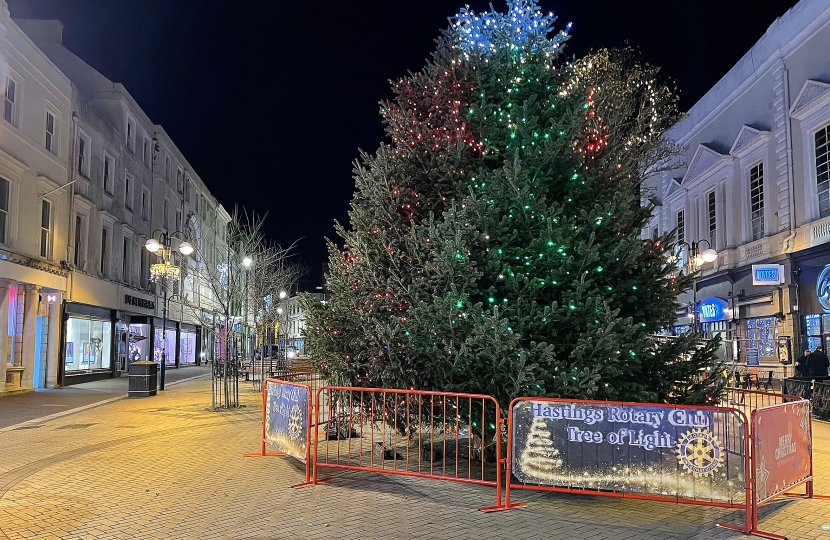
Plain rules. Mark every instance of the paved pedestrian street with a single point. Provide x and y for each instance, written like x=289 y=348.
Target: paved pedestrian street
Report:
x=168 y=467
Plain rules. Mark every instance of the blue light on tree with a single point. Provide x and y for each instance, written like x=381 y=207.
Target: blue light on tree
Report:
x=524 y=27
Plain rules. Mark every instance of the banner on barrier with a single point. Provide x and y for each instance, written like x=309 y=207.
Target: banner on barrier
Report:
x=658 y=450
x=783 y=448
x=286 y=418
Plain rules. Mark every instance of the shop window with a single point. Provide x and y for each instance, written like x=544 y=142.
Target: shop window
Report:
x=187 y=348
x=169 y=348
x=139 y=342
x=88 y=344
x=762 y=334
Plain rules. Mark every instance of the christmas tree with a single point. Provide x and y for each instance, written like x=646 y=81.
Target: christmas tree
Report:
x=495 y=243
x=540 y=460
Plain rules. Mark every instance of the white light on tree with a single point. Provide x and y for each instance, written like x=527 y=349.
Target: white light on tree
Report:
x=246 y=262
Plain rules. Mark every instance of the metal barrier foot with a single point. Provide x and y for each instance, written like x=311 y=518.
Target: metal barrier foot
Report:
x=304 y=484
x=488 y=509
x=266 y=454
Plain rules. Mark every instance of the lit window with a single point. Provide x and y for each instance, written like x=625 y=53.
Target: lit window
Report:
x=713 y=229
x=823 y=170
x=756 y=200
x=681 y=227
x=50 y=132
x=45 y=228
x=9 y=103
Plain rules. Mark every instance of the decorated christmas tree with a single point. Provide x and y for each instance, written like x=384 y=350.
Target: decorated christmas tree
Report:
x=495 y=244
x=540 y=460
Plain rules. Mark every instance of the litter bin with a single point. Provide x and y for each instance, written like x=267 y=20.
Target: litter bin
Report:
x=143 y=379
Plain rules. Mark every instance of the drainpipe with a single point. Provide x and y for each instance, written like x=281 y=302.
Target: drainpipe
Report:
x=70 y=240
x=788 y=243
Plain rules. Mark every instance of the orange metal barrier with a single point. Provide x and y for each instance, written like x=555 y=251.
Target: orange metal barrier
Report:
x=749 y=400
x=440 y=435
x=288 y=411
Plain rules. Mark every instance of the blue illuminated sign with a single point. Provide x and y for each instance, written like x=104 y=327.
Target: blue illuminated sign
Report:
x=713 y=309
x=767 y=274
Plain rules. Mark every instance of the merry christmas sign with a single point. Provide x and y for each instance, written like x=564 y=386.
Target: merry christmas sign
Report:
x=649 y=449
x=783 y=447
x=286 y=418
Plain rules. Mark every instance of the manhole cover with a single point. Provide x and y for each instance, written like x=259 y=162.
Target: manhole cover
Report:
x=28 y=427
x=75 y=426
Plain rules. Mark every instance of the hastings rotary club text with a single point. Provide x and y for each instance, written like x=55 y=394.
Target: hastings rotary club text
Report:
x=649 y=437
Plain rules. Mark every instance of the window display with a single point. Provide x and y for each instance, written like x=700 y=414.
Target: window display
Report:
x=139 y=342
x=88 y=344
x=169 y=348
x=187 y=352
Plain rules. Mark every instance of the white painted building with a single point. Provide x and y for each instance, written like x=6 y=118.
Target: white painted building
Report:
x=755 y=186
x=34 y=208
x=85 y=179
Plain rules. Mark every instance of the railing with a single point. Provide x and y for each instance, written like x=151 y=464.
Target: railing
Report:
x=817 y=390
x=440 y=435
x=749 y=400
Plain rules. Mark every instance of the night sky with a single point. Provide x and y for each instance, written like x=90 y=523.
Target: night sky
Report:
x=270 y=101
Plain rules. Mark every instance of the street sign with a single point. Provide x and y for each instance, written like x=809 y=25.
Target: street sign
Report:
x=52 y=297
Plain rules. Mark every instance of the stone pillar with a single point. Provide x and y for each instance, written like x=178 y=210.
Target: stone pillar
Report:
x=30 y=308
x=53 y=345
x=4 y=332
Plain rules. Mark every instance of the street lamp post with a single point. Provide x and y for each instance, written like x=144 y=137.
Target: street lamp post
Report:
x=697 y=257
x=165 y=272
x=247 y=261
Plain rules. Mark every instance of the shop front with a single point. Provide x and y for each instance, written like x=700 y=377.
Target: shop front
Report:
x=189 y=348
x=88 y=344
x=813 y=272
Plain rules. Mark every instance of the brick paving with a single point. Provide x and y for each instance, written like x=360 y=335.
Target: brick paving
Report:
x=167 y=467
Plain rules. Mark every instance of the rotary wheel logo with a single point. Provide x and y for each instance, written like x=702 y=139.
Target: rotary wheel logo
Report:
x=699 y=451
x=294 y=427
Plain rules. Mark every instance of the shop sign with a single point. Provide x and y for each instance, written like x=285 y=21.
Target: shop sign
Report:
x=713 y=309
x=783 y=447
x=652 y=449
x=767 y=274
x=52 y=297
x=139 y=302
x=752 y=358
x=823 y=288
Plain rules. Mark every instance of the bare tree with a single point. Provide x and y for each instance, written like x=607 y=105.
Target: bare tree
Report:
x=229 y=278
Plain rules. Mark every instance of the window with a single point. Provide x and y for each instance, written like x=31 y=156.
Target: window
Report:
x=166 y=214
x=167 y=168
x=187 y=189
x=681 y=227
x=145 y=152
x=108 y=174
x=756 y=200
x=4 y=209
x=145 y=205
x=81 y=155
x=128 y=190
x=130 y=135
x=76 y=259
x=45 y=228
x=178 y=220
x=125 y=261
x=50 y=133
x=9 y=111
x=143 y=279
x=179 y=175
x=713 y=229
x=197 y=202
x=104 y=252
x=823 y=170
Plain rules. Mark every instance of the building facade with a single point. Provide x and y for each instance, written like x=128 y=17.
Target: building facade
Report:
x=86 y=178
x=754 y=186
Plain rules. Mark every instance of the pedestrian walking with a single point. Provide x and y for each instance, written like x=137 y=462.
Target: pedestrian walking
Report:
x=801 y=367
x=818 y=363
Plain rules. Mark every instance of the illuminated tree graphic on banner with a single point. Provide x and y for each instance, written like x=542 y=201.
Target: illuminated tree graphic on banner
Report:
x=539 y=459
